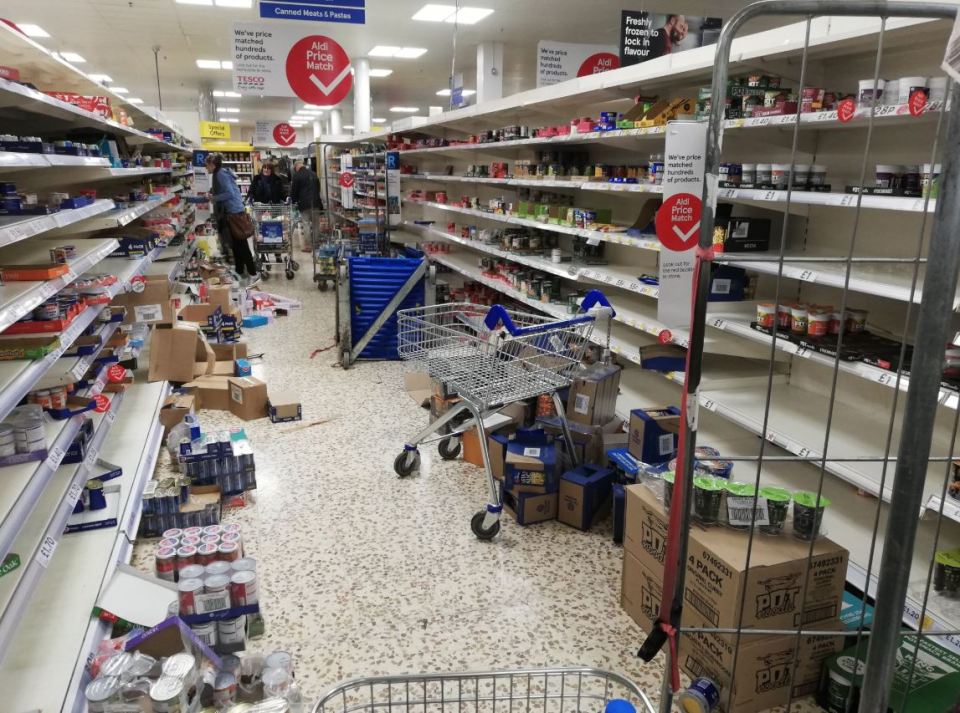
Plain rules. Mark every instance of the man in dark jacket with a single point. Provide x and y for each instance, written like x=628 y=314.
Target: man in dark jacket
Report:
x=266 y=186
x=305 y=192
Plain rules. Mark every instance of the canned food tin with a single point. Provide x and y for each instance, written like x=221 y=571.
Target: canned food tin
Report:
x=192 y=571
x=230 y=537
x=189 y=541
x=279 y=659
x=101 y=692
x=207 y=633
x=173 y=542
x=180 y=666
x=188 y=589
x=230 y=527
x=207 y=554
x=186 y=555
x=212 y=530
x=192 y=532
x=216 y=584
x=231 y=664
x=244 y=564
x=165 y=563
x=702 y=696
x=173 y=532
x=228 y=552
x=116 y=665
x=244 y=589
x=232 y=631
x=166 y=695
x=224 y=689
x=210 y=539
x=217 y=567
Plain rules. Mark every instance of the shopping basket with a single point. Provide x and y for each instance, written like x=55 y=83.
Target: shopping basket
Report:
x=491 y=357
x=547 y=690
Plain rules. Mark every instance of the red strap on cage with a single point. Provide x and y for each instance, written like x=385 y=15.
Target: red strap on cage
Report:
x=703 y=256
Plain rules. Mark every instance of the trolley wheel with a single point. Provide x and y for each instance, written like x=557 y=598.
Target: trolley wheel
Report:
x=289 y=274
x=476 y=524
x=322 y=285
x=265 y=275
x=449 y=448
x=406 y=463
x=295 y=265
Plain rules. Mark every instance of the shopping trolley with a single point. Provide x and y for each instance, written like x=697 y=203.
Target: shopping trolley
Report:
x=273 y=239
x=546 y=690
x=491 y=357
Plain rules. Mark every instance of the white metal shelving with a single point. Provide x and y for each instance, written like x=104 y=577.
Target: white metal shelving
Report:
x=119 y=217
x=16 y=228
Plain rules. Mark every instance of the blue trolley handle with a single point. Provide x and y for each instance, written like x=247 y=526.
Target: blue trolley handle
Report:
x=498 y=315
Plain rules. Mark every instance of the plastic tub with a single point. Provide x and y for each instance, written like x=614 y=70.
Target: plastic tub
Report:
x=668 y=479
x=778 y=505
x=856 y=320
x=891 y=92
x=808 y=514
x=801 y=175
x=739 y=490
x=910 y=181
x=886 y=176
x=818 y=323
x=779 y=175
x=766 y=315
x=909 y=85
x=799 y=317
x=818 y=175
x=867 y=95
x=707 y=497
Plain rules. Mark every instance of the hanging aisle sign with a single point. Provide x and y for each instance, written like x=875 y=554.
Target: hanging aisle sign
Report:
x=678 y=219
x=289 y=62
x=349 y=11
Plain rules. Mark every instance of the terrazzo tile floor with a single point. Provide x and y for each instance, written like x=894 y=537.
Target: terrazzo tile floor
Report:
x=362 y=573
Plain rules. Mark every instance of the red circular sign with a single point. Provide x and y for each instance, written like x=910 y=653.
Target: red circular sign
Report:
x=103 y=403
x=917 y=102
x=346 y=180
x=284 y=134
x=318 y=70
x=116 y=374
x=846 y=110
x=678 y=222
x=665 y=336
x=597 y=63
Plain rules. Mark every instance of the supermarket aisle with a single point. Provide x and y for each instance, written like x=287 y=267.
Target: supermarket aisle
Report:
x=363 y=574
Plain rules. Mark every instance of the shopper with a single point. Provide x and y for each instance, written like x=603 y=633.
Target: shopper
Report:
x=228 y=203
x=305 y=192
x=267 y=186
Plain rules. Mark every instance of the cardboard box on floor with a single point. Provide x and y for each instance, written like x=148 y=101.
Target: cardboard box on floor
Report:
x=654 y=433
x=174 y=408
x=593 y=395
x=530 y=508
x=284 y=406
x=151 y=305
x=717 y=576
x=219 y=296
x=585 y=495
x=418 y=385
x=211 y=392
x=504 y=421
x=591 y=441
x=179 y=353
x=248 y=397
x=764 y=670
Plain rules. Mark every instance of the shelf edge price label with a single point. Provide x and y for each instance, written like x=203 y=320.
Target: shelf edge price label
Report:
x=808 y=276
x=56 y=455
x=45 y=552
x=73 y=495
x=91 y=459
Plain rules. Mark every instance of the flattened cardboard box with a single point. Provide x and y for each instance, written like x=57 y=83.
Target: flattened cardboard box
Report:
x=765 y=671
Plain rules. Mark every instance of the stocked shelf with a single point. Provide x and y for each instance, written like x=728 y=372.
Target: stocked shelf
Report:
x=15 y=228
x=19 y=298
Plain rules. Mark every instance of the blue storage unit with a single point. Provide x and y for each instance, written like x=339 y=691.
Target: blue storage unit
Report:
x=374 y=281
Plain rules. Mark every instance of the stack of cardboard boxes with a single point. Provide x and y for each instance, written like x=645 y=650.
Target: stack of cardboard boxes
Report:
x=776 y=592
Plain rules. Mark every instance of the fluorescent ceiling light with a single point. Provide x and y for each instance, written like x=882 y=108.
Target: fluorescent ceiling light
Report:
x=233 y=95
x=434 y=13
x=379 y=121
x=234 y=3
x=119 y=90
x=446 y=92
x=218 y=93
x=312 y=106
x=381 y=72
x=230 y=121
x=383 y=51
x=72 y=57
x=194 y=2
x=31 y=30
x=470 y=15
x=208 y=63
x=226 y=65
x=228 y=110
x=134 y=100
x=410 y=52
x=100 y=78
x=348 y=127
x=404 y=109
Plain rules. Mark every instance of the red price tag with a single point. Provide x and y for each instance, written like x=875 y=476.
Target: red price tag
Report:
x=116 y=374
x=918 y=102
x=846 y=110
x=103 y=403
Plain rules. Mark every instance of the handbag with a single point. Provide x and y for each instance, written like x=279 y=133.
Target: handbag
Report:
x=241 y=226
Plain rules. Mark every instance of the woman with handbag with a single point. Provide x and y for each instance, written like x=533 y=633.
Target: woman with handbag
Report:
x=226 y=197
